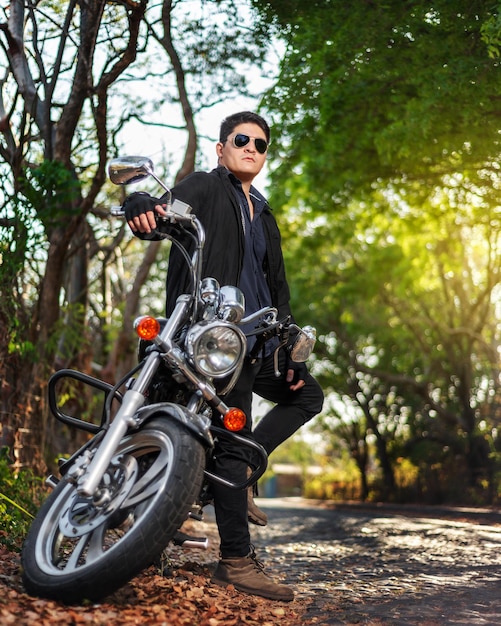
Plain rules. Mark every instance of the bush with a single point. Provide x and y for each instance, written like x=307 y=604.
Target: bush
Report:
x=21 y=494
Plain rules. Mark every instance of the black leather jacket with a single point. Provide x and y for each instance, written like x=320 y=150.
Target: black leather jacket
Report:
x=212 y=197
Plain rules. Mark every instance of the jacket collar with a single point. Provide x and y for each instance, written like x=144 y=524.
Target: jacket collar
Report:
x=224 y=172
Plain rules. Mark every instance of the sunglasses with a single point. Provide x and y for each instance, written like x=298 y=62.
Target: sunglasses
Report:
x=240 y=140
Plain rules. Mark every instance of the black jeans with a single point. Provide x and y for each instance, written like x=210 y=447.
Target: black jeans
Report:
x=292 y=409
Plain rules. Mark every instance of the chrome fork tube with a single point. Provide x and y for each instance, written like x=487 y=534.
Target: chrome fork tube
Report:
x=133 y=400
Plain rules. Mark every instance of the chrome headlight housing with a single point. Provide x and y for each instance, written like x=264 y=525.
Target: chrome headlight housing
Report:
x=232 y=304
x=215 y=348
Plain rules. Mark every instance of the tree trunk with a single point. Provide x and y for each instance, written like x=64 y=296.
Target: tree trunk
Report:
x=124 y=349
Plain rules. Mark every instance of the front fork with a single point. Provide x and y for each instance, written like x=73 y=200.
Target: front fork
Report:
x=89 y=481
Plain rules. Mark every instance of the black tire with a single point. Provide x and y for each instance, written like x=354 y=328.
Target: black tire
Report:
x=154 y=480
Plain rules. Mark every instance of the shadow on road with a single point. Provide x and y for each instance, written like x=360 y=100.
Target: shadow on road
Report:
x=386 y=565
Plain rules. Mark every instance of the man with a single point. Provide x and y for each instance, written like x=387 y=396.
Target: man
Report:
x=243 y=249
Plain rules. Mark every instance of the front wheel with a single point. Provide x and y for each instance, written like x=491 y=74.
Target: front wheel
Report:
x=86 y=548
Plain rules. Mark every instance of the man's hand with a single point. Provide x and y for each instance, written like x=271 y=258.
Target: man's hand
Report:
x=296 y=374
x=140 y=212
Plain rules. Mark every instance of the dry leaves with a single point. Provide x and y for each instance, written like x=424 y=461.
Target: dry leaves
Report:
x=184 y=598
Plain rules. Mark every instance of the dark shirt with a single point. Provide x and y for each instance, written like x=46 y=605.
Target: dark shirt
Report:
x=253 y=281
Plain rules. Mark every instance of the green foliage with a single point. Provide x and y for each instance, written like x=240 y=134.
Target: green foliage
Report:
x=21 y=494
x=18 y=241
x=387 y=178
x=333 y=484
x=52 y=190
x=491 y=33
x=70 y=326
x=371 y=94
x=46 y=201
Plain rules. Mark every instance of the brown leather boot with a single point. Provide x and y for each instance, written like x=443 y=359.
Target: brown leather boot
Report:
x=254 y=513
x=247 y=574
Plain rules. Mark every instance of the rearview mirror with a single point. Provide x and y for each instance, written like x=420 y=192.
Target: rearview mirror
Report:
x=303 y=344
x=130 y=169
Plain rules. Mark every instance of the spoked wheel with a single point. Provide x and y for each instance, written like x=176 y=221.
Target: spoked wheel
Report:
x=85 y=548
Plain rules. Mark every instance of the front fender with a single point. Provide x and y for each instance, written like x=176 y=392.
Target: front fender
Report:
x=199 y=425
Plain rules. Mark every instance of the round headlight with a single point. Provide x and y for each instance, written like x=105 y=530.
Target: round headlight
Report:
x=215 y=348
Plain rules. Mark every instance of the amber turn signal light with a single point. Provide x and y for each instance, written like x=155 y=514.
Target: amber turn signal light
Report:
x=234 y=419
x=147 y=327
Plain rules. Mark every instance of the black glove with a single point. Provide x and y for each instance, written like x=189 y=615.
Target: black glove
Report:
x=138 y=203
x=300 y=370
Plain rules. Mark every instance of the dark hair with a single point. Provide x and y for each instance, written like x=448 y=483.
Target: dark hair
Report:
x=244 y=117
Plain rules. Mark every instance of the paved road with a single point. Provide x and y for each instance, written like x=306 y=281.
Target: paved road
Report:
x=386 y=566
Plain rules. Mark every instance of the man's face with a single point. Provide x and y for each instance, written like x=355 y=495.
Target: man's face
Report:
x=245 y=162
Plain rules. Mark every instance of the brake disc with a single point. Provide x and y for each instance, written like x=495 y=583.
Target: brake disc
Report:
x=85 y=514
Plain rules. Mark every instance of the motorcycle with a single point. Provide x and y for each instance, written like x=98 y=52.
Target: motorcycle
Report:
x=145 y=468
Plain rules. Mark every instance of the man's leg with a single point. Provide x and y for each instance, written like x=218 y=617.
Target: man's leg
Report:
x=292 y=408
x=231 y=462
x=238 y=565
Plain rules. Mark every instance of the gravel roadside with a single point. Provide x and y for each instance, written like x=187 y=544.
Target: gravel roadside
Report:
x=391 y=565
